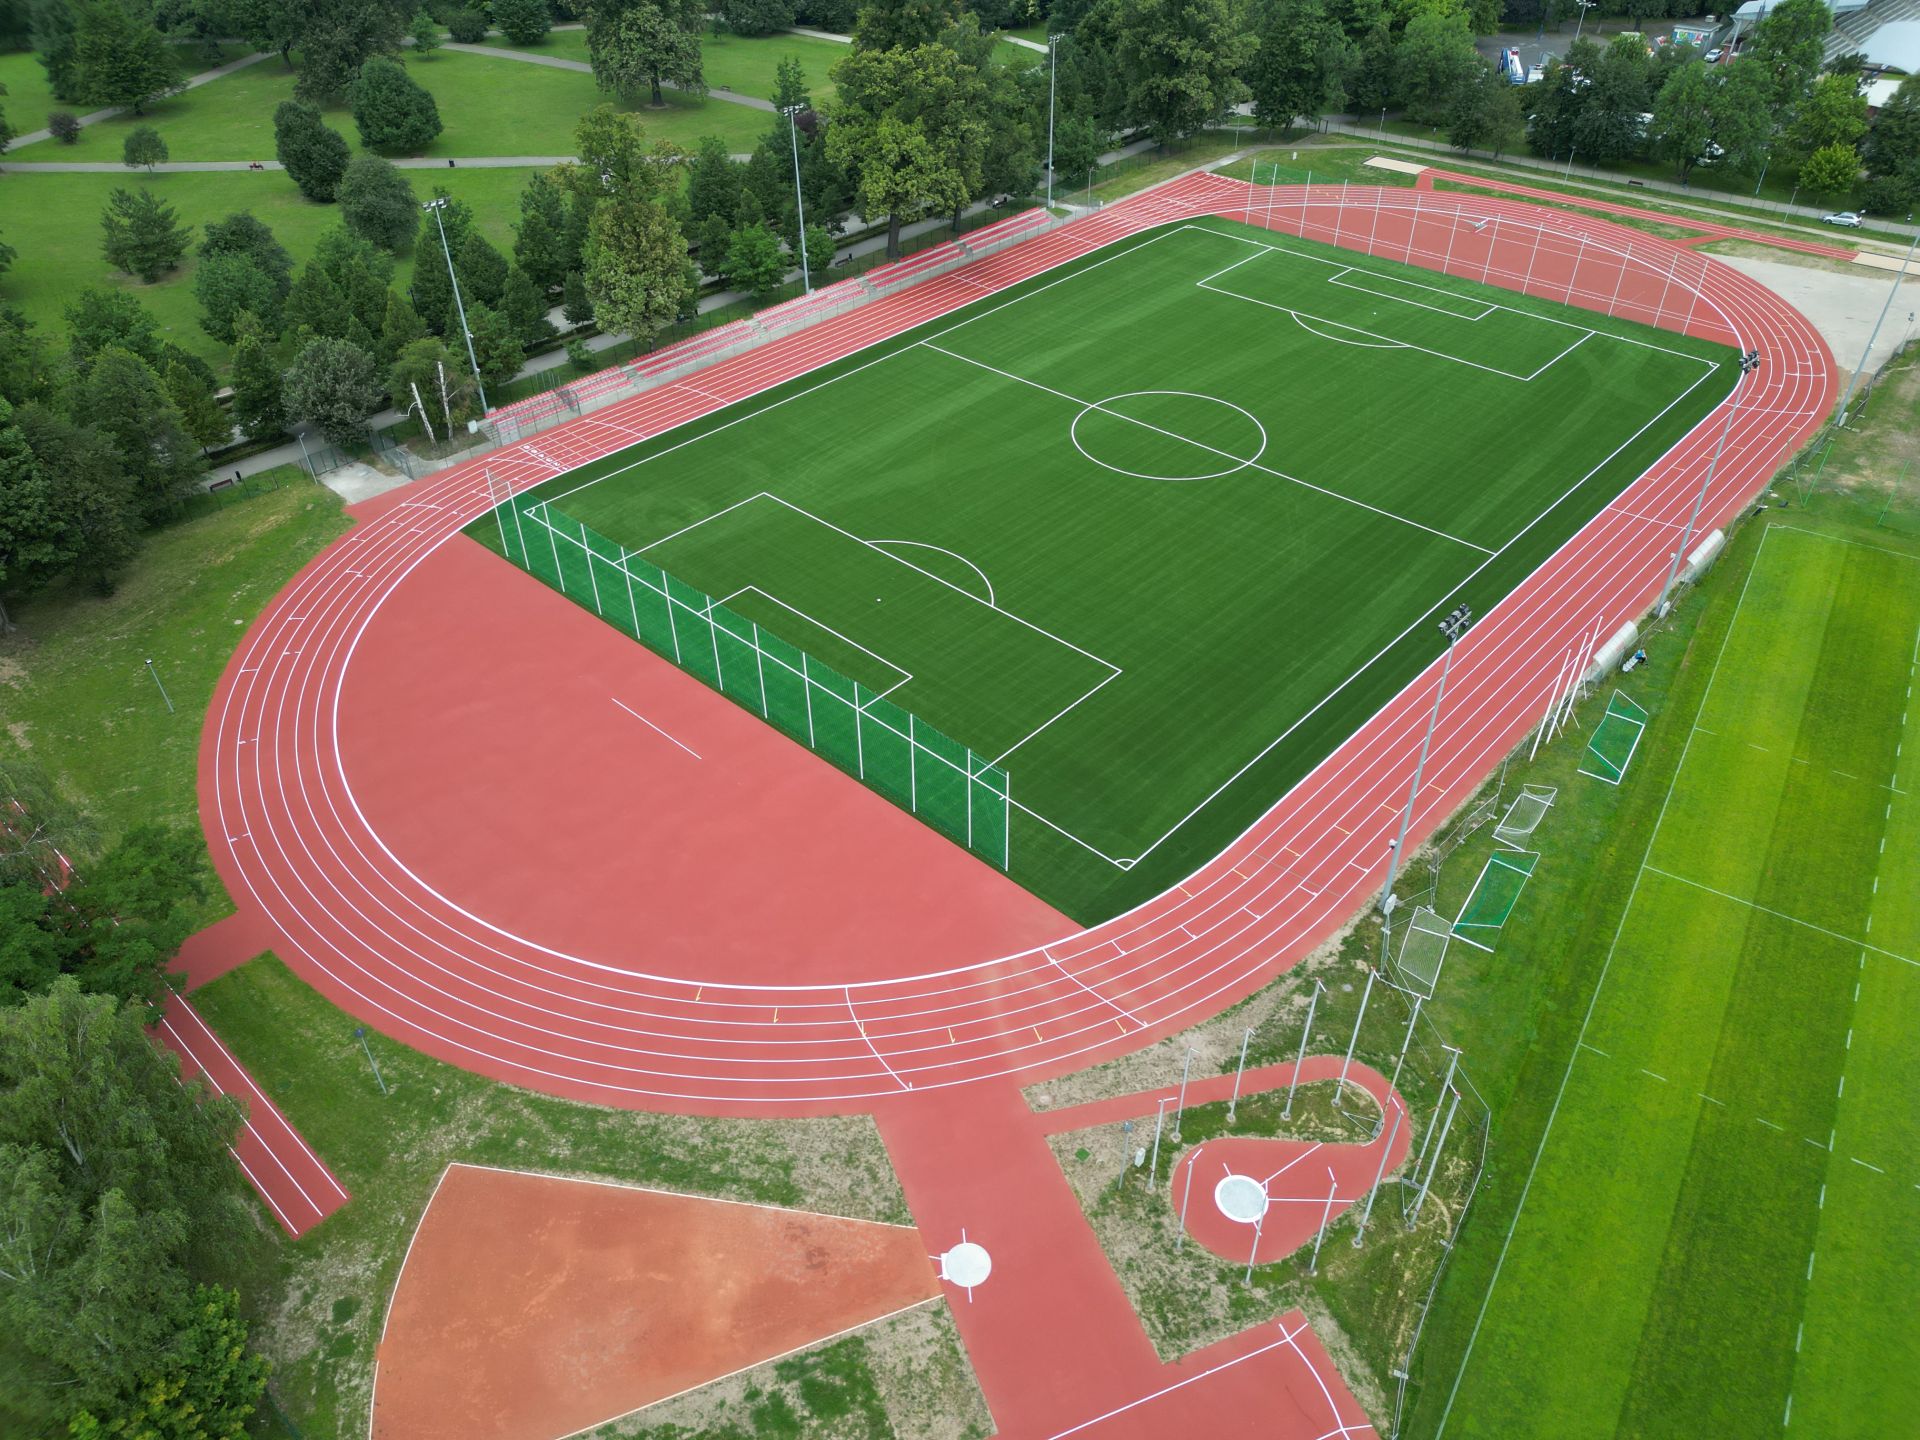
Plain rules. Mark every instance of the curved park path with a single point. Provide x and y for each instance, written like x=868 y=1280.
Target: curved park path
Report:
x=936 y=1052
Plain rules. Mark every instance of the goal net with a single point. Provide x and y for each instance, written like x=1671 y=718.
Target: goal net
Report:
x=1423 y=950
x=1524 y=815
x=1614 y=740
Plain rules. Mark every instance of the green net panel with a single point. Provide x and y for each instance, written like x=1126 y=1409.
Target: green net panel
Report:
x=870 y=737
x=1495 y=893
x=1615 y=739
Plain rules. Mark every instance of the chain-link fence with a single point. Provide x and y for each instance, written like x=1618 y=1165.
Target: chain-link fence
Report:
x=858 y=729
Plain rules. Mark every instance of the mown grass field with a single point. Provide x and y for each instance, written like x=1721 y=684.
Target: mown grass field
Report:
x=488 y=105
x=1141 y=482
x=77 y=701
x=1711 y=1238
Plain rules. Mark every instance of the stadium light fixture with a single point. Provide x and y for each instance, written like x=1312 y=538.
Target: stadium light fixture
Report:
x=1749 y=362
x=799 y=201
x=459 y=305
x=1453 y=625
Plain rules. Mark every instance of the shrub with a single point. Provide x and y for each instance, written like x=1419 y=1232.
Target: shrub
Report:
x=469 y=27
x=64 y=126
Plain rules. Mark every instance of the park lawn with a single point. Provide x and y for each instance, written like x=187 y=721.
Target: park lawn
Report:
x=28 y=99
x=1005 y=52
x=488 y=106
x=317 y=1304
x=52 y=220
x=78 y=702
x=1739 y=1112
x=743 y=64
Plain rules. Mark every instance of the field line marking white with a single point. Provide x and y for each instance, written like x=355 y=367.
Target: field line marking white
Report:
x=1202 y=445
x=923 y=545
x=1593 y=1002
x=1783 y=915
x=655 y=728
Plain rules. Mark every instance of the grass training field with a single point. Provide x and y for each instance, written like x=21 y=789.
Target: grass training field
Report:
x=1736 y=1130
x=1155 y=531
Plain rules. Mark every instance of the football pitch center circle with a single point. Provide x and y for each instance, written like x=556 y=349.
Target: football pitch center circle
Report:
x=1198 y=429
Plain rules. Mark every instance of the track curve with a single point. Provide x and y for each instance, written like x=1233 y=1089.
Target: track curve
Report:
x=291 y=844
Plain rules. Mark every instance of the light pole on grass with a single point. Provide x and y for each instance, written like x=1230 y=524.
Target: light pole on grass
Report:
x=459 y=305
x=1749 y=362
x=1453 y=625
x=360 y=1034
x=1585 y=5
x=1053 y=70
x=799 y=201
x=1867 y=354
x=163 y=689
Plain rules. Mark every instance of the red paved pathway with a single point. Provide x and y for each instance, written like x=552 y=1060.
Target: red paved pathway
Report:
x=297 y=1186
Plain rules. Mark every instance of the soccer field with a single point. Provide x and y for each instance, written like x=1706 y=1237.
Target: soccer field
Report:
x=1153 y=532
x=1717 y=1236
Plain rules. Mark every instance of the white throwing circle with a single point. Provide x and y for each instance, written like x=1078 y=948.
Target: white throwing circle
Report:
x=1241 y=1198
x=966 y=1265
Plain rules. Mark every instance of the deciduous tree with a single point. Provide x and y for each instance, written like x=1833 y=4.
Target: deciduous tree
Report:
x=1300 y=70
x=143 y=146
x=258 y=404
x=1178 y=62
x=378 y=203
x=637 y=272
x=542 y=240
x=335 y=385
x=637 y=45
x=123 y=398
x=525 y=22
x=123 y=60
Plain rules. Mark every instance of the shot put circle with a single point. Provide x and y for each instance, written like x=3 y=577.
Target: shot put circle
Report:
x=1211 y=461
x=1241 y=1198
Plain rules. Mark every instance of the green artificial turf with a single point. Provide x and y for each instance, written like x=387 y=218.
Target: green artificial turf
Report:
x=1159 y=657
x=1713 y=1230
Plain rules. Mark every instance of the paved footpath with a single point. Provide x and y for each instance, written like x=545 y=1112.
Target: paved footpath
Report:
x=1054 y=1340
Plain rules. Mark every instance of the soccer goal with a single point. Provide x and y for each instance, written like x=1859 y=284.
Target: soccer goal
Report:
x=1495 y=892
x=1423 y=950
x=1615 y=738
x=1524 y=815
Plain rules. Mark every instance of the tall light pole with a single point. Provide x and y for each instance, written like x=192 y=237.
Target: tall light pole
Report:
x=1453 y=625
x=436 y=206
x=1585 y=5
x=799 y=201
x=1867 y=355
x=1749 y=363
x=1053 y=70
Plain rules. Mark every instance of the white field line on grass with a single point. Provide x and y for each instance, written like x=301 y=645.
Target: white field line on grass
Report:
x=1593 y=1001
x=1340 y=278
x=1128 y=250
x=906 y=675
x=1202 y=445
x=1782 y=915
x=326 y=592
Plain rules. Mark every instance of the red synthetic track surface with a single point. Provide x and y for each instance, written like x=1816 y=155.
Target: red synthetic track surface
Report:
x=297 y=1186
x=1053 y=1339
x=289 y=839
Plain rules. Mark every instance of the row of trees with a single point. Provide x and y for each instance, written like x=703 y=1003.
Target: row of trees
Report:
x=122 y=1217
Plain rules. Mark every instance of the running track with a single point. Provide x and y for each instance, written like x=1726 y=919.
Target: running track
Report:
x=288 y=842
x=1053 y=1339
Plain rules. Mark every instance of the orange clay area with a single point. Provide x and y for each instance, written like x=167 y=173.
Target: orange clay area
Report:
x=531 y=1306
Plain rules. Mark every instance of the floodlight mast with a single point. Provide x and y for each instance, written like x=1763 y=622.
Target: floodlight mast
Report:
x=1749 y=362
x=1053 y=70
x=1453 y=625
x=799 y=201
x=436 y=206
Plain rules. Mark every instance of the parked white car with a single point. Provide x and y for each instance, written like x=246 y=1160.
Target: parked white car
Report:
x=1845 y=219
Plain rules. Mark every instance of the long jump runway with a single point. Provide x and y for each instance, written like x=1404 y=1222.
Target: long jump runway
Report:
x=930 y=1048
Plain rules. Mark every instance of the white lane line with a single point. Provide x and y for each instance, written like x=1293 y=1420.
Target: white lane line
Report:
x=655 y=728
